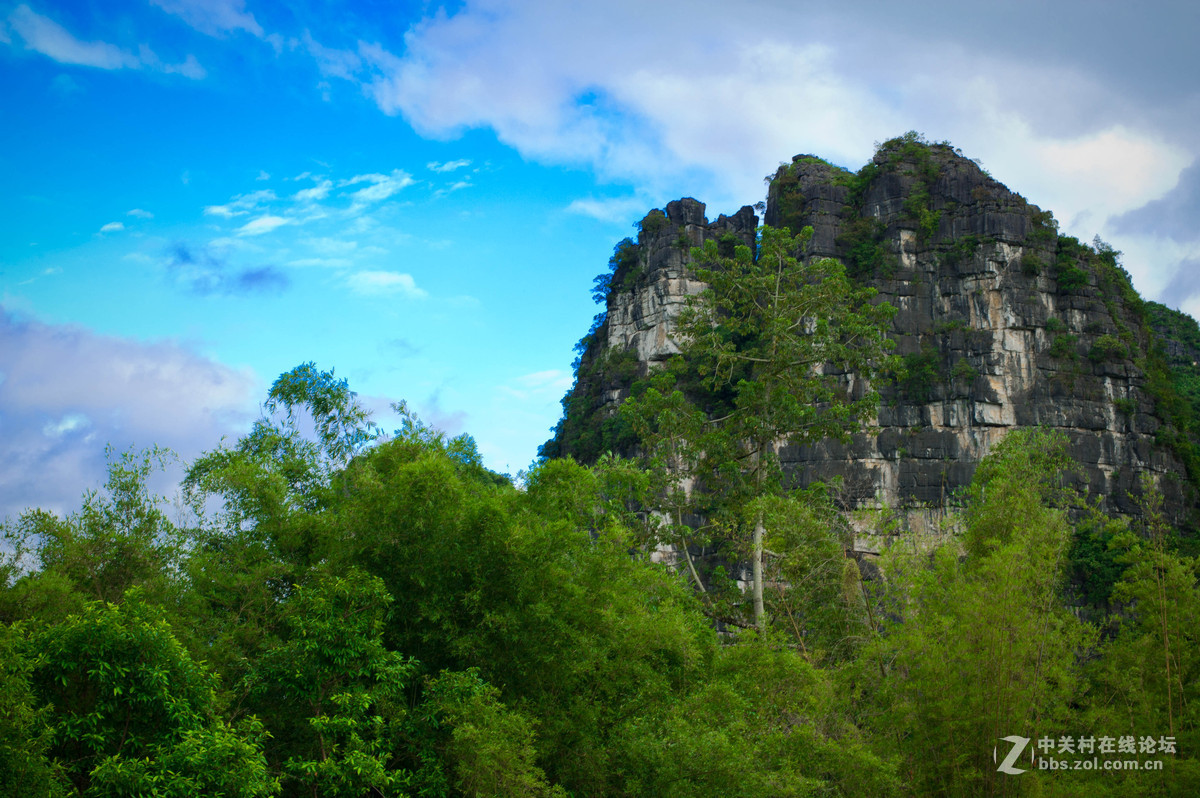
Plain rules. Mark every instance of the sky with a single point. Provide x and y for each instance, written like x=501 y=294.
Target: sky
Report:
x=198 y=195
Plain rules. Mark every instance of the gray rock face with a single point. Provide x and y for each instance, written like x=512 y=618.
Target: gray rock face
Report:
x=1001 y=325
x=640 y=319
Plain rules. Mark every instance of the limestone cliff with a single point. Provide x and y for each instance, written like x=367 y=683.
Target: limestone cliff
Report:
x=1001 y=323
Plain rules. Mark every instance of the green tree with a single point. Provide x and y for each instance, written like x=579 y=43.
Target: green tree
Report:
x=761 y=721
x=133 y=714
x=488 y=749
x=119 y=538
x=980 y=647
x=826 y=605
x=26 y=768
x=669 y=429
x=263 y=509
x=1147 y=679
x=793 y=343
x=332 y=694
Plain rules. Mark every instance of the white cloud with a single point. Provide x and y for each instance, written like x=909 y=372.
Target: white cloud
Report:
x=241 y=204
x=138 y=213
x=1109 y=171
x=190 y=68
x=1154 y=262
x=263 y=175
x=634 y=105
x=213 y=17
x=51 y=39
x=708 y=114
x=263 y=224
x=332 y=63
x=68 y=423
x=449 y=166
x=540 y=385
x=385 y=282
x=67 y=392
x=330 y=246
x=315 y=194
x=619 y=210
x=381 y=186
x=47 y=37
x=112 y=227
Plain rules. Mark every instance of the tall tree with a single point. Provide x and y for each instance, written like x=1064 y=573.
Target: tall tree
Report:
x=791 y=343
x=979 y=647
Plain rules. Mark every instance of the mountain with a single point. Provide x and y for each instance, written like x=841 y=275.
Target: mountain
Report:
x=1001 y=323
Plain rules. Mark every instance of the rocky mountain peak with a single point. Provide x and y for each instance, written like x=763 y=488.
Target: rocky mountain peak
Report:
x=1001 y=323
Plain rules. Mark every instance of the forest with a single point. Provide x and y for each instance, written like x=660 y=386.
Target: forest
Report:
x=330 y=609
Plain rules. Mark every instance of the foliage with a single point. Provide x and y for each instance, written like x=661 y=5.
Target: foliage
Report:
x=916 y=207
x=26 y=768
x=343 y=426
x=134 y=714
x=764 y=722
x=866 y=254
x=1147 y=678
x=1095 y=562
x=778 y=333
x=922 y=372
x=276 y=475
x=1107 y=347
x=488 y=747
x=1031 y=264
x=668 y=429
x=789 y=201
x=1005 y=646
x=963 y=371
x=584 y=426
x=654 y=222
x=333 y=693
x=441 y=633
x=825 y=607
x=1063 y=347
x=1125 y=406
x=1182 y=359
x=1069 y=264
x=1044 y=229
x=119 y=538
x=962 y=249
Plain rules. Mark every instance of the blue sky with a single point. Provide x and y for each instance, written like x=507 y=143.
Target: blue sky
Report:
x=200 y=194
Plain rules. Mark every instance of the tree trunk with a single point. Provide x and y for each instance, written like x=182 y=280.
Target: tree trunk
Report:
x=759 y=615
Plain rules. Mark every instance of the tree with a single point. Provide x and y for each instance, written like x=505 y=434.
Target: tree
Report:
x=119 y=538
x=25 y=734
x=982 y=646
x=332 y=694
x=133 y=714
x=669 y=428
x=1147 y=680
x=788 y=346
